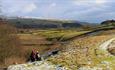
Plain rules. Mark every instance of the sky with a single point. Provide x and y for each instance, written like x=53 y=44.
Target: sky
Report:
x=94 y=11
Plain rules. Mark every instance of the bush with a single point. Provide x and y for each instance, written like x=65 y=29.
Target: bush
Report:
x=9 y=43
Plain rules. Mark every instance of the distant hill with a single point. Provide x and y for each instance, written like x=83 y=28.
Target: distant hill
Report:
x=108 y=22
x=44 y=23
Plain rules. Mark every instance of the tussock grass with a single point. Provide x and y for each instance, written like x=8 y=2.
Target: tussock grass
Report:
x=9 y=44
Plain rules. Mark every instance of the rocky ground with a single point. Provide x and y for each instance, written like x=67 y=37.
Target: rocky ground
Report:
x=38 y=65
x=106 y=64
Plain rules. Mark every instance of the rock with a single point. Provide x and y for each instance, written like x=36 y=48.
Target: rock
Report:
x=36 y=66
x=111 y=50
x=89 y=68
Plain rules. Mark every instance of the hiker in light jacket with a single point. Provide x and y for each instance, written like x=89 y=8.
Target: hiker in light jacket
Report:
x=38 y=57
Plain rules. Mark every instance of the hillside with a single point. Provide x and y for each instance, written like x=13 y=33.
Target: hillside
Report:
x=85 y=53
x=77 y=49
x=44 y=23
x=108 y=22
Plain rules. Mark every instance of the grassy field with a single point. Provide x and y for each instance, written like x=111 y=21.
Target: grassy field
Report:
x=77 y=53
x=45 y=36
x=16 y=46
x=58 y=34
x=45 y=40
x=39 y=40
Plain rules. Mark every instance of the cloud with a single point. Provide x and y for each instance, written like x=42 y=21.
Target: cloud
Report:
x=100 y=1
x=90 y=2
x=90 y=10
x=87 y=7
x=52 y=5
x=49 y=10
x=29 y=7
x=107 y=14
x=14 y=7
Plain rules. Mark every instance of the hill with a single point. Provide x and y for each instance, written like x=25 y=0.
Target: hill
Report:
x=108 y=22
x=44 y=23
x=85 y=53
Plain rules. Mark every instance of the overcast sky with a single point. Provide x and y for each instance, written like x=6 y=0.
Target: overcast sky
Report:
x=81 y=10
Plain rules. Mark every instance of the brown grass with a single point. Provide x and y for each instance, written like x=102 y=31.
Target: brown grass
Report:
x=14 y=60
x=9 y=43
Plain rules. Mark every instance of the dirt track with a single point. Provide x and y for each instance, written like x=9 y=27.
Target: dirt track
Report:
x=104 y=46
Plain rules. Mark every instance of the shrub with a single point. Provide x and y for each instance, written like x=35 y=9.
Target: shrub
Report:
x=9 y=43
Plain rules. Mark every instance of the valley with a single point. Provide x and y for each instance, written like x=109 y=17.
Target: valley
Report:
x=81 y=48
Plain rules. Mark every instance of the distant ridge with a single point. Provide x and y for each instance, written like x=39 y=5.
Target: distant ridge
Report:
x=108 y=22
x=27 y=22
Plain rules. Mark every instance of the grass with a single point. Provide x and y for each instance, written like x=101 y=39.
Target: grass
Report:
x=47 y=36
x=59 y=34
x=38 y=37
x=74 y=54
x=78 y=56
x=9 y=44
x=38 y=40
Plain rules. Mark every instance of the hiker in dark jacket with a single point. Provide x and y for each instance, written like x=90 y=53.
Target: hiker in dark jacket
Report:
x=33 y=56
x=38 y=57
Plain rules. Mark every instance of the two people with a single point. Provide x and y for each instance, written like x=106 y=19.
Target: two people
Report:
x=35 y=56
